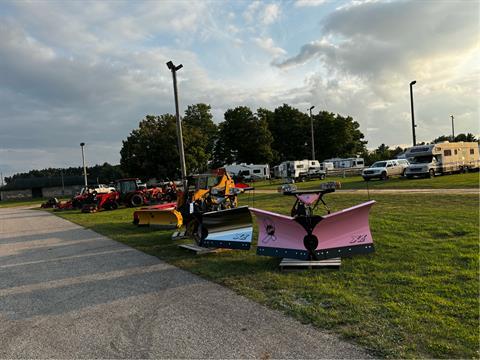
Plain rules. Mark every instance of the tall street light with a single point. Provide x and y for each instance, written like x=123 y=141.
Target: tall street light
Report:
x=453 y=129
x=311 y=127
x=413 y=115
x=82 y=145
x=181 y=151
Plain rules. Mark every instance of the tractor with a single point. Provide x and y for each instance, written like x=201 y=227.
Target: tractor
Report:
x=133 y=193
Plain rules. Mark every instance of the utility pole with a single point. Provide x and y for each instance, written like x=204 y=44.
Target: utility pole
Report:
x=413 y=115
x=311 y=127
x=84 y=166
x=181 y=151
x=453 y=129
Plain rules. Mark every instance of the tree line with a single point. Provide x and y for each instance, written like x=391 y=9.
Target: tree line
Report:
x=261 y=137
x=104 y=173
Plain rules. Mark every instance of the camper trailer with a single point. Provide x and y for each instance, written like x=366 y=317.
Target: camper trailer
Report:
x=346 y=163
x=300 y=170
x=249 y=171
x=446 y=157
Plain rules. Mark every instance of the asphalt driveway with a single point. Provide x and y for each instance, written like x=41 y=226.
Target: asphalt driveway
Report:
x=68 y=292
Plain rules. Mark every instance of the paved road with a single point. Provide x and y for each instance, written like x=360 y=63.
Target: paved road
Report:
x=69 y=292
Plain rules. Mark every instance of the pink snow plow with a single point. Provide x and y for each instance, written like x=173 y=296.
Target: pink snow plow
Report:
x=306 y=236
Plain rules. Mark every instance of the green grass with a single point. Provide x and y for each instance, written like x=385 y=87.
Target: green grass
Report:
x=416 y=296
x=455 y=181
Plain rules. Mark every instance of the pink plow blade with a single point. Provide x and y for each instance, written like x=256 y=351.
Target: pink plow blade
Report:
x=340 y=234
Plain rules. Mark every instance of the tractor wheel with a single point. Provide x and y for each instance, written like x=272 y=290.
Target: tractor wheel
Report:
x=136 y=200
x=114 y=205
x=431 y=173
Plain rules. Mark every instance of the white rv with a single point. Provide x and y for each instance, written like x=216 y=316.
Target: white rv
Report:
x=441 y=158
x=300 y=170
x=249 y=171
x=347 y=163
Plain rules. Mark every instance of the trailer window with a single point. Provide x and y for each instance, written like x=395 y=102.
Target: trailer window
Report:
x=455 y=151
x=472 y=151
x=256 y=171
x=447 y=152
x=300 y=166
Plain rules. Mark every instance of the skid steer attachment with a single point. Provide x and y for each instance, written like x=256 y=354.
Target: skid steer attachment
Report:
x=164 y=215
x=229 y=229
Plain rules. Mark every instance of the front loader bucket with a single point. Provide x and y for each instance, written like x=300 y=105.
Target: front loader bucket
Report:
x=229 y=229
x=340 y=234
x=167 y=218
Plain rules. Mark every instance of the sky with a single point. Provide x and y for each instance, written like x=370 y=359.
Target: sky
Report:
x=84 y=71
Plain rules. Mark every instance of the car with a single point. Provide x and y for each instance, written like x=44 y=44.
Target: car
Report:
x=385 y=168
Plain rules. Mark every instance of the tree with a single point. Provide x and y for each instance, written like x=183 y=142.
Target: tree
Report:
x=460 y=137
x=199 y=116
x=243 y=137
x=290 y=129
x=337 y=136
x=151 y=150
x=383 y=152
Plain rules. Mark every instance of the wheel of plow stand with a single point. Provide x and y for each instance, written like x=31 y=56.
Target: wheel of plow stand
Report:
x=136 y=200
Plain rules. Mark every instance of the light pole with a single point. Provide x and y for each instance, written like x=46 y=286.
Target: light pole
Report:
x=63 y=183
x=311 y=127
x=453 y=129
x=413 y=115
x=181 y=151
x=84 y=166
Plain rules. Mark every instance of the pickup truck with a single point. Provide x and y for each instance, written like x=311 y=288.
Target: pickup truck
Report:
x=312 y=174
x=384 y=169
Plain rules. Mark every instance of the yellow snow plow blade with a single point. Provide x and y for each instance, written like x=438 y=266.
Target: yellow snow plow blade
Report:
x=154 y=217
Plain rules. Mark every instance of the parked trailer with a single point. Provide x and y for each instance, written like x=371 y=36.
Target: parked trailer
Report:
x=249 y=171
x=300 y=170
x=442 y=158
x=346 y=163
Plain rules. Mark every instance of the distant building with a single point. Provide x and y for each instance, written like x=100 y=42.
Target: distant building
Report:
x=42 y=187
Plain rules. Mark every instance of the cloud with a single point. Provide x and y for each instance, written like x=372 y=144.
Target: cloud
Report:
x=265 y=14
x=271 y=14
x=372 y=50
x=268 y=45
x=308 y=3
x=308 y=52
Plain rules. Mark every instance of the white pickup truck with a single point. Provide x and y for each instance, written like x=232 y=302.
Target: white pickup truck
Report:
x=383 y=169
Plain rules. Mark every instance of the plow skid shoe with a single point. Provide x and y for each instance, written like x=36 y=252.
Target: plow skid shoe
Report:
x=340 y=234
x=228 y=229
x=167 y=218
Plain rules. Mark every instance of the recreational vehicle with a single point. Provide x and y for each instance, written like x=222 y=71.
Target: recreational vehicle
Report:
x=441 y=158
x=249 y=171
x=300 y=170
x=347 y=163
